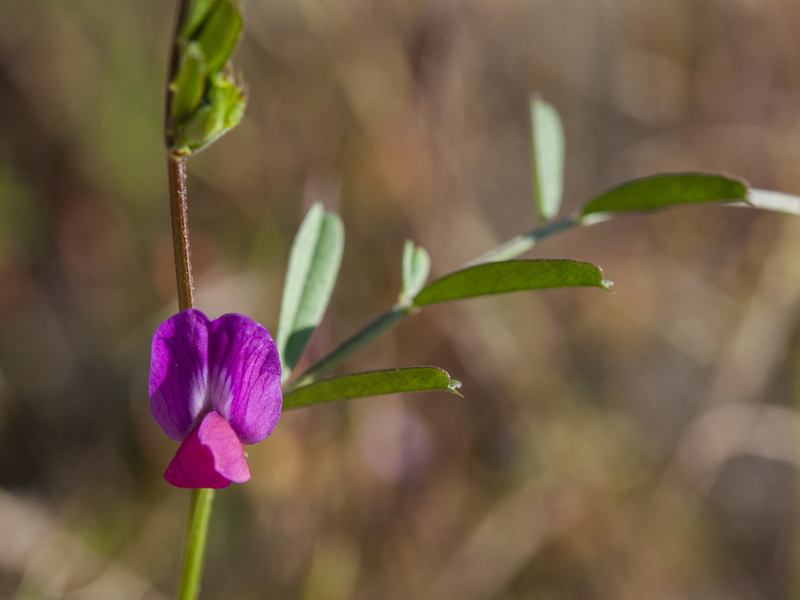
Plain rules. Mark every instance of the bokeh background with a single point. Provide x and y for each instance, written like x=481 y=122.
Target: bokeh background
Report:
x=640 y=444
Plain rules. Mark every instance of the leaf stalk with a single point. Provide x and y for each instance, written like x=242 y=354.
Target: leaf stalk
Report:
x=400 y=311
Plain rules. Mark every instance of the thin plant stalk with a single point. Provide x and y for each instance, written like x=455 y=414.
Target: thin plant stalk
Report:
x=200 y=506
x=195 y=543
x=523 y=242
x=179 y=216
x=201 y=500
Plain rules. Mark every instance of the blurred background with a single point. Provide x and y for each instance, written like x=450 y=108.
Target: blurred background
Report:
x=640 y=444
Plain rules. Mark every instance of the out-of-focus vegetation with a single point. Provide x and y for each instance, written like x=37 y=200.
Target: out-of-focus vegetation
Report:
x=633 y=445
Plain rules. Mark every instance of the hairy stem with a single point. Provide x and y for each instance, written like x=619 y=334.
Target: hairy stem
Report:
x=200 y=508
x=179 y=215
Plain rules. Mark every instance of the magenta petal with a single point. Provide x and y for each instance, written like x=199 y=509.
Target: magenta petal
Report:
x=245 y=376
x=229 y=365
x=179 y=373
x=210 y=457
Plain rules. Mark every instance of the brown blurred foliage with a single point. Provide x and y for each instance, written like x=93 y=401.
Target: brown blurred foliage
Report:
x=633 y=445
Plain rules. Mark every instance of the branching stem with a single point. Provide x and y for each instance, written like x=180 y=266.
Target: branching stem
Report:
x=510 y=249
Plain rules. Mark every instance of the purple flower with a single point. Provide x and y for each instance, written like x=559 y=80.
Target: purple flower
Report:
x=214 y=385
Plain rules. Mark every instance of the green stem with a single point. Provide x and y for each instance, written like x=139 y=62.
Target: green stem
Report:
x=524 y=242
x=195 y=544
x=372 y=330
x=512 y=248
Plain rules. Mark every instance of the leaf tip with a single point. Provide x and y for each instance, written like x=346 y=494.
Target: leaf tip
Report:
x=453 y=386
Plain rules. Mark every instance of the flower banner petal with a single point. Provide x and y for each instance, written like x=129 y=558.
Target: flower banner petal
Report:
x=244 y=376
x=210 y=457
x=179 y=372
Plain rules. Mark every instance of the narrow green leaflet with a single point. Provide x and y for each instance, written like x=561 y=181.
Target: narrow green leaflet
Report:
x=777 y=201
x=416 y=267
x=547 y=141
x=197 y=12
x=660 y=191
x=372 y=383
x=511 y=276
x=313 y=265
x=219 y=34
x=189 y=84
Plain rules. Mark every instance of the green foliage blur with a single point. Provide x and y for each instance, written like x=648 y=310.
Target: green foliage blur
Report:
x=641 y=444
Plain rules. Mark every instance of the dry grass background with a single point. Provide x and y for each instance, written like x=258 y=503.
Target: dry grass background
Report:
x=633 y=445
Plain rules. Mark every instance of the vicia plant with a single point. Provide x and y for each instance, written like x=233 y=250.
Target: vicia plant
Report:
x=218 y=384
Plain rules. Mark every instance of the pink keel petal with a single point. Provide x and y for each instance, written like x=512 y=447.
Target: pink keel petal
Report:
x=210 y=457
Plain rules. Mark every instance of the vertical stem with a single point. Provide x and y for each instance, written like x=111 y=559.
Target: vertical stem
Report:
x=179 y=215
x=200 y=508
x=195 y=544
